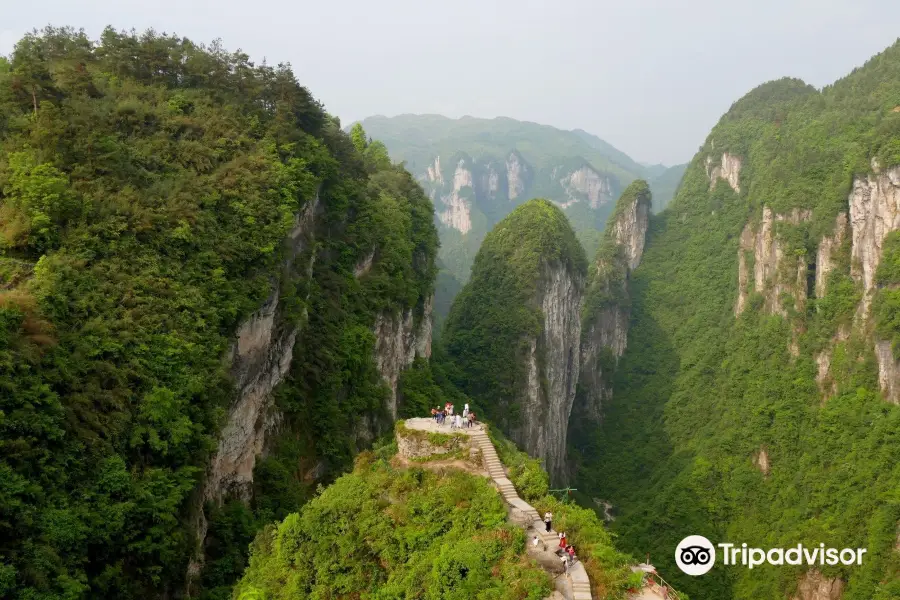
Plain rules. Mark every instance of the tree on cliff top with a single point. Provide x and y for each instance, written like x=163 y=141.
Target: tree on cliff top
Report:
x=495 y=313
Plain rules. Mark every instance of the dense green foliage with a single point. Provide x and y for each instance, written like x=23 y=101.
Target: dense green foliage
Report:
x=383 y=534
x=700 y=393
x=887 y=299
x=146 y=187
x=495 y=313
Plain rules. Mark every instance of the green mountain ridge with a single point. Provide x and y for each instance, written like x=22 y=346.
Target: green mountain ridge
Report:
x=186 y=240
x=754 y=401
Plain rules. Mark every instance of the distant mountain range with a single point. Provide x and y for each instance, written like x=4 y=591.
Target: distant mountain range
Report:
x=477 y=170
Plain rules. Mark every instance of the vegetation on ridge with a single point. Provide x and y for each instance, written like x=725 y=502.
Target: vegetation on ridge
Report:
x=495 y=313
x=700 y=394
x=147 y=185
x=387 y=533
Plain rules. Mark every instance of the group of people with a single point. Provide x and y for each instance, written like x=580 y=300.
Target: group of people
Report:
x=457 y=421
x=565 y=550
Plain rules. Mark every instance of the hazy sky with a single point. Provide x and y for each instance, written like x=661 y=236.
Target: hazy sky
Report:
x=649 y=76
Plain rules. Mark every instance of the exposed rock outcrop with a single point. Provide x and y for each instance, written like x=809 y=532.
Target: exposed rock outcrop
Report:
x=399 y=338
x=728 y=169
x=630 y=229
x=605 y=330
x=416 y=445
x=516 y=176
x=888 y=371
x=258 y=359
x=776 y=271
x=825 y=254
x=761 y=460
x=587 y=183
x=874 y=213
x=552 y=368
x=815 y=586
x=433 y=172
x=457 y=212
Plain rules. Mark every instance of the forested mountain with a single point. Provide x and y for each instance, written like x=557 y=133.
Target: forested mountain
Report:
x=183 y=232
x=478 y=170
x=757 y=399
x=514 y=327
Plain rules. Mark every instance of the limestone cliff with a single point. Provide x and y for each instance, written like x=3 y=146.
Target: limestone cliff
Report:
x=401 y=337
x=729 y=169
x=456 y=211
x=514 y=330
x=259 y=358
x=552 y=367
x=586 y=183
x=825 y=253
x=606 y=310
x=778 y=273
x=518 y=176
x=875 y=213
x=815 y=586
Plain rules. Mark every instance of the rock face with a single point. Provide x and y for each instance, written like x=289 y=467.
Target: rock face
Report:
x=728 y=169
x=258 y=359
x=552 y=367
x=433 y=172
x=457 y=205
x=888 y=371
x=517 y=177
x=418 y=445
x=587 y=183
x=630 y=229
x=605 y=330
x=815 y=586
x=761 y=460
x=874 y=213
x=776 y=272
x=825 y=253
x=399 y=339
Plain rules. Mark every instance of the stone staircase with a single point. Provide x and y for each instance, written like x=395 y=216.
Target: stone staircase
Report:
x=579 y=586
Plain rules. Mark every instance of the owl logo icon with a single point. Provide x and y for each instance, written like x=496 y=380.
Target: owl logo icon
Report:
x=695 y=555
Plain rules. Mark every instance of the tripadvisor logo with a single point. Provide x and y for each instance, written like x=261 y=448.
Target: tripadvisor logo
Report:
x=696 y=555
